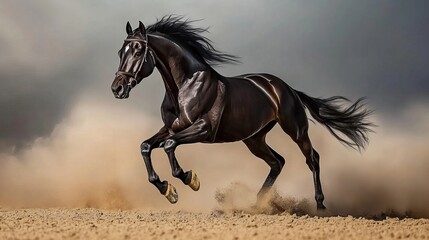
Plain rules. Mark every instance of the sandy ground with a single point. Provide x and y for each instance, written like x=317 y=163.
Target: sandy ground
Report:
x=141 y=224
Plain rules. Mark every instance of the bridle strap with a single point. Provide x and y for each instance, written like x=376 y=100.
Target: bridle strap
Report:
x=134 y=75
x=135 y=40
x=124 y=73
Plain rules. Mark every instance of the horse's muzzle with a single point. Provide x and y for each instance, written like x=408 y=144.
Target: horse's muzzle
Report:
x=120 y=89
x=121 y=93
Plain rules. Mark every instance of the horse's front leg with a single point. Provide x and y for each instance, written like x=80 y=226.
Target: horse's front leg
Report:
x=197 y=132
x=146 y=148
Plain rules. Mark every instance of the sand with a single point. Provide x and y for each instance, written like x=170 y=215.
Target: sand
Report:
x=90 y=223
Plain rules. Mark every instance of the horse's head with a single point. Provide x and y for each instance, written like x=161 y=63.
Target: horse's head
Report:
x=136 y=61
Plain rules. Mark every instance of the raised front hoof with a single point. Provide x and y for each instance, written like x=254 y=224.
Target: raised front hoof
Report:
x=171 y=194
x=194 y=183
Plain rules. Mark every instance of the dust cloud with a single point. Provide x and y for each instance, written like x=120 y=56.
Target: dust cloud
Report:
x=92 y=159
x=236 y=198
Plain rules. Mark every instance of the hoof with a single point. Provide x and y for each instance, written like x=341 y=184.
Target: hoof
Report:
x=171 y=194
x=194 y=183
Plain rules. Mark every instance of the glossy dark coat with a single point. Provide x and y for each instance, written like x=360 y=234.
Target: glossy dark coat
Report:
x=200 y=105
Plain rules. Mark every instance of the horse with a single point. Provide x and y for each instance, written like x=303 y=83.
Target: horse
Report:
x=201 y=105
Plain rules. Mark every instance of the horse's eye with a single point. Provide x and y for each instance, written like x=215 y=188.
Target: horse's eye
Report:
x=138 y=54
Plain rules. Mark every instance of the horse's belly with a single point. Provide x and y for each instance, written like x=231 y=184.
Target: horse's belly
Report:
x=247 y=110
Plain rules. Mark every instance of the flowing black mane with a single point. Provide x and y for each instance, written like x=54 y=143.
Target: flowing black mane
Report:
x=181 y=31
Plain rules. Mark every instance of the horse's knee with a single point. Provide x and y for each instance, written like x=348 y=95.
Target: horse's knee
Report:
x=170 y=145
x=145 y=148
x=202 y=125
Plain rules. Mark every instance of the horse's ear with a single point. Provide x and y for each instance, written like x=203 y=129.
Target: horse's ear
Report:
x=142 y=28
x=129 y=29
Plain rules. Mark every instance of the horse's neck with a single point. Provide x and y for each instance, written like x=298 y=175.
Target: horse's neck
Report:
x=162 y=64
x=173 y=63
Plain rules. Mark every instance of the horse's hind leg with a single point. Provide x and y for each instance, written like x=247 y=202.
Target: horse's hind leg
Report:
x=294 y=122
x=259 y=148
x=312 y=160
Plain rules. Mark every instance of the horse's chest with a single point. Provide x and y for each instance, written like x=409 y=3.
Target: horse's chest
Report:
x=199 y=97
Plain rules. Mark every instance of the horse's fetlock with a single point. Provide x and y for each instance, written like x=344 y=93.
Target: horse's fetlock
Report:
x=177 y=172
x=153 y=179
x=320 y=197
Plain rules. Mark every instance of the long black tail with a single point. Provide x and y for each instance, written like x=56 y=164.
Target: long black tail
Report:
x=351 y=121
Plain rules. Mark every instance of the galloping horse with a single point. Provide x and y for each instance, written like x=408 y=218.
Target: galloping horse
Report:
x=201 y=105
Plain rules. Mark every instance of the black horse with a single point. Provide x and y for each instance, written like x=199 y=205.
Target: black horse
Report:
x=201 y=105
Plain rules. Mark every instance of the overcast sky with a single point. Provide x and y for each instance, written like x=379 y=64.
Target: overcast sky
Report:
x=53 y=52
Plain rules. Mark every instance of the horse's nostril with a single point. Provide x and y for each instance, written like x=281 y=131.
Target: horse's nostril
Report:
x=117 y=90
